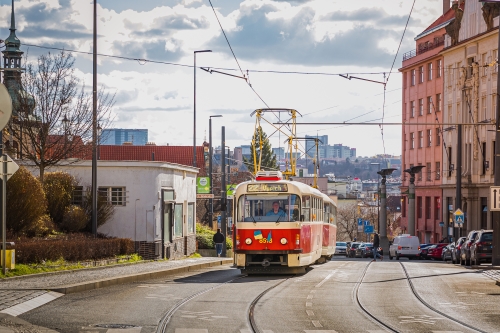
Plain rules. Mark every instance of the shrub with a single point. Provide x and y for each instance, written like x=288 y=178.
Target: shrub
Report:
x=72 y=248
x=105 y=210
x=26 y=202
x=74 y=219
x=41 y=227
x=204 y=237
x=58 y=187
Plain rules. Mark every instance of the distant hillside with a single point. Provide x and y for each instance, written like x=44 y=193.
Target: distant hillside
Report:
x=361 y=169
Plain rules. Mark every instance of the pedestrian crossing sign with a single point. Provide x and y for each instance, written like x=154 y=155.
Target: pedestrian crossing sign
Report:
x=459 y=216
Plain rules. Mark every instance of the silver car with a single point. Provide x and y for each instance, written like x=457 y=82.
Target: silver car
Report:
x=340 y=248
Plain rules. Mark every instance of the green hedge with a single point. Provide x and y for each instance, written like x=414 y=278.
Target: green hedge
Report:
x=72 y=249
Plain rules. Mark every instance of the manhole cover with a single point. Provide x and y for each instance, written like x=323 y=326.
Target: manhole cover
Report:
x=114 y=326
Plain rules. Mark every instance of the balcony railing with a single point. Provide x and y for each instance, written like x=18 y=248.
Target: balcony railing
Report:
x=423 y=48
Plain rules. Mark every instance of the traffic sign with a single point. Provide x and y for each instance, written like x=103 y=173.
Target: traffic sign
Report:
x=360 y=224
x=367 y=222
x=203 y=185
x=12 y=167
x=5 y=107
x=441 y=224
x=459 y=216
x=369 y=229
x=494 y=199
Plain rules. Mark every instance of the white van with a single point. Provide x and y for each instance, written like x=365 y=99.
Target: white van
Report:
x=405 y=246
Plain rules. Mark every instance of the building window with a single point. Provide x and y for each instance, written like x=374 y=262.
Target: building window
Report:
x=413 y=77
x=439 y=67
x=438 y=170
x=420 y=173
x=438 y=137
x=404 y=112
x=495 y=56
x=420 y=139
x=428 y=172
x=191 y=219
x=428 y=208
x=421 y=74
x=493 y=103
x=470 y=61
x=421 y=107
x=438 y=102
x=412 y=109
x=429 y=138
x=429 y=71
x=436 y=208
x=429 y=104
x=484 y=61
x=403 y=206
x=493 y=159
x=116 y=196
x=482 y=115
x=450 y=75
x=419 y=207
x=483 y=153
x=450 y=166
x=412 y=140
x=77 y=197
x=404 y=79
x=178 y=220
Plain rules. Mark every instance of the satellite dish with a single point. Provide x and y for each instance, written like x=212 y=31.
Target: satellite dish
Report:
x=5 y=107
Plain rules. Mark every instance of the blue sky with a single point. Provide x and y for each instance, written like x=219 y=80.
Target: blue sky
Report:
x=326 y=36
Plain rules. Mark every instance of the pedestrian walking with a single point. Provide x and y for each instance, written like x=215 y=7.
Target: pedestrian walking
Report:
x=219 y=241
x=376 y=244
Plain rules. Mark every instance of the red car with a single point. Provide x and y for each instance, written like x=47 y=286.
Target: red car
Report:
x=435 y=251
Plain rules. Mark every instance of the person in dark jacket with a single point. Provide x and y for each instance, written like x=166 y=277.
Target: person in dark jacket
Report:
x=376 y=244
x=219 y=241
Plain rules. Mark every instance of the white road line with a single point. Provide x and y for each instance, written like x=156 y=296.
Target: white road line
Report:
x=33 y=303
x=190 y=330
x=310 y=296
x=309 y=305
x=125 y=330
x=246 y=331
x=379 y=331
x=447 y=332
x=316 y=323
x=320 y=331
x=310 y=313
x=325 y=279
x=312 y=292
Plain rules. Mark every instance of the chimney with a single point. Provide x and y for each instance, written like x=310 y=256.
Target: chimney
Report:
x=446 y=6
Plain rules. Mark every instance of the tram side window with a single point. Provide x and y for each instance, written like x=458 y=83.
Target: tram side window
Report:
x=326 y=213
x=306 y=206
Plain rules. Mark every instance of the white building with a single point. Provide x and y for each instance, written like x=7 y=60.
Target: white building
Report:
x=155 y=203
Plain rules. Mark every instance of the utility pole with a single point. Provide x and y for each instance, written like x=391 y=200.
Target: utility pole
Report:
x=382 y=223
x=411 y=198
x=458 y=170
x=223 y=194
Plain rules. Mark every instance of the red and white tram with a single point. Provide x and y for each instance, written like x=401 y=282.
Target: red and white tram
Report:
x=281 y=226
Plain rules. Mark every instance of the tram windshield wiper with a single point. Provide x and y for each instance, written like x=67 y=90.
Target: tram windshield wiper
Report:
x=277 y=221
x=255 y=222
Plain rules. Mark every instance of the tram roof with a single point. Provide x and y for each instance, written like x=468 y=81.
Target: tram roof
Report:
x=304 y=188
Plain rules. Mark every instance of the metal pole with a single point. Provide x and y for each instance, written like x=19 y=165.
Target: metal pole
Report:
x=210 y=170
x=223 y=190
x=94 y=128
x=194 y=114
x=496 y=215
x=411 y=205
x=383 y=214
x=458 y=170
x=3 y=196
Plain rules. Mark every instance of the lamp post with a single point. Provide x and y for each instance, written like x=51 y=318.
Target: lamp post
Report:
x=99 y=132
x=94 y=125
x=194 y=107
x=382 y=223
x=411 y=197
x=378 y=196
x=495 y=260
x=210 y=170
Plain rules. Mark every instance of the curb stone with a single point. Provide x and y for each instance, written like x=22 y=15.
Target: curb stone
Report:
x=11 y=324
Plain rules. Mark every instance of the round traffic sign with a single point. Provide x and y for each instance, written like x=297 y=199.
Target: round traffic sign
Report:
x=5 y=107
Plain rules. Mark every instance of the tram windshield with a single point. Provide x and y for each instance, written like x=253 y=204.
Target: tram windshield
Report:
x=260 y=208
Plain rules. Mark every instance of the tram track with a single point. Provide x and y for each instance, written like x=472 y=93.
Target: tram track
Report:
x=163 y=324
x=417 y=296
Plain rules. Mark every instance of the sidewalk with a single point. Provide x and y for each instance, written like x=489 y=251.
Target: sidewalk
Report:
x=24 y=293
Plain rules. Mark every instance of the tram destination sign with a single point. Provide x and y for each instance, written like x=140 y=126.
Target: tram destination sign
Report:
x=267 y=187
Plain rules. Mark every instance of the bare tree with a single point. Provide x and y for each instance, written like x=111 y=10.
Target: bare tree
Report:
x=54 y=112
x=347 y=226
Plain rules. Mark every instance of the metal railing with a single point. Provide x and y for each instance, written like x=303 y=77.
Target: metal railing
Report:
x=422 y=49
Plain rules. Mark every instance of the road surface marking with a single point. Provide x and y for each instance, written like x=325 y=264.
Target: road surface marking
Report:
x=310 y=296
x=246 y=331
x=309 y=304
x=326 y=279
x=312 y=292
x=310 y=313
x=316 y=323
x=190 y=330
x=447 y=332
x=33 y=303
x=320 y=331
x=125 y=330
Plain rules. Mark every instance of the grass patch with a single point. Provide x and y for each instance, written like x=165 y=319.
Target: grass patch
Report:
x=195 y=255
x=61 y=265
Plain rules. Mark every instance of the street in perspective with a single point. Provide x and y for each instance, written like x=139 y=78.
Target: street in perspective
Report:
x=242 y=166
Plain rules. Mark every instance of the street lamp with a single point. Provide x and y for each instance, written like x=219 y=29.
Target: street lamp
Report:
x=194 y=107
x=210 y=170
x=378 y=196
x=411 y=197
x=382 y=223
x=94 y=125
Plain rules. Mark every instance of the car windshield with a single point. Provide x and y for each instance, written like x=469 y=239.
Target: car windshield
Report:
x=487 y=237
x=355 y=245
x=265 y=208
x=341 y=244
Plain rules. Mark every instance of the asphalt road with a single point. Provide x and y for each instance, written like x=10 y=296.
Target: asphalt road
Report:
x=324 y=300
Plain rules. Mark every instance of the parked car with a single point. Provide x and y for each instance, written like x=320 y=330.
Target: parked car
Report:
x=434 y=252
x=365 y=250
x=455 y=254
x=340 y=249
x=423 y=250
x=405 y=246
x=482 y=247
x=447 y=252
x=465 y=249
x=352 y=249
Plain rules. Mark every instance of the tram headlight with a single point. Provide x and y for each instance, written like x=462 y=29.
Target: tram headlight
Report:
x=248 y=241
x=284 y=241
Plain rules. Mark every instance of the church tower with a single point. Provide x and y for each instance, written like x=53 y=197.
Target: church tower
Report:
x=12 y=56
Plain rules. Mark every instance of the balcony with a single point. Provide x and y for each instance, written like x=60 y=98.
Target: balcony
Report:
x=424 y=47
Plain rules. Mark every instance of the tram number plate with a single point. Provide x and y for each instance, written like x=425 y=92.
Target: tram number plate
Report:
x=267 y=187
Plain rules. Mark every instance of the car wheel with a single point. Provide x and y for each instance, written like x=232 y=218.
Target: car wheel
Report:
x=397 y=256
x=462 y=262
x=390 y=257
